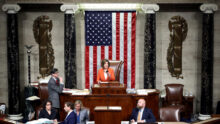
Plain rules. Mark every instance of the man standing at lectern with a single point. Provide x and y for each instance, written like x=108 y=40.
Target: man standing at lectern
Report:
x=55 y=87
x=142 y=114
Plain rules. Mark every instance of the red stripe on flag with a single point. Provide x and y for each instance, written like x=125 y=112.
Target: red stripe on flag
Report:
x=117 y=36
x=110 y=52
x=87 y=67
x=102 y=52
x=125 y=47
x=94 y=64
x=133 y=30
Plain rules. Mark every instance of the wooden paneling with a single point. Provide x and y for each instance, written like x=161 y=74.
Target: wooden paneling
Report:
x=107 y=116
x=126 y=101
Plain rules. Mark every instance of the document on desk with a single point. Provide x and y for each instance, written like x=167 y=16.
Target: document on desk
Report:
x=114 y=108
x=77 y=91
x=41 y=121
x=101 y=108
x=104 y=82
x=145 y=91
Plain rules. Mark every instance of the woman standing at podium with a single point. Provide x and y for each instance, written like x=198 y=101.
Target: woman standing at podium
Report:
x=105 y=73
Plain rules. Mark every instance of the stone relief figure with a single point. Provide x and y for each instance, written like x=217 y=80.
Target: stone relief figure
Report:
x=42 y=33
x=178 y=32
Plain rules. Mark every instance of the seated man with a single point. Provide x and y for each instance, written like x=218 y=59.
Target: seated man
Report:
x=142 y=114
x=71 y=116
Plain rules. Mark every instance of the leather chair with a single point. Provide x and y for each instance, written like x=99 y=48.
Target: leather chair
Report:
x=43 y=91
x=174 y=98
x=171 y=114
x=43 y=94
x=38 y=109
x=116 y=65
x=174 y=94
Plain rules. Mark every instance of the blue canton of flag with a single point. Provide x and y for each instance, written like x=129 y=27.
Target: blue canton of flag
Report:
x=98 y=28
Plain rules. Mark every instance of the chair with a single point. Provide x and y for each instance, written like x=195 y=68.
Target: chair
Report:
x=43 y=91
x=171 y=114
x=43 y=94
x=116 y=65
x=174 y=98
x=38 y=109
x=174 y=94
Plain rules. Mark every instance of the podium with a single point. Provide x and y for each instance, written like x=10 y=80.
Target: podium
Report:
x=111 y=94
x=113 y=87
x=107 y=114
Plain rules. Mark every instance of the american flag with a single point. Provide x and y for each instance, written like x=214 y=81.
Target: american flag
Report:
x=110 y=35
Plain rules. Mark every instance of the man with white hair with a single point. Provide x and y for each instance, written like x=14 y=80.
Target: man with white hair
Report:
x=142 y=114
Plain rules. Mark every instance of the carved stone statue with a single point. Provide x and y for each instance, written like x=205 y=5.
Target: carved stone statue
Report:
x=42 y=33
x=178 y=32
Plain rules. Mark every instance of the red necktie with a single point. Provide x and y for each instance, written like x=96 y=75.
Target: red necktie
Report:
x=57 y=82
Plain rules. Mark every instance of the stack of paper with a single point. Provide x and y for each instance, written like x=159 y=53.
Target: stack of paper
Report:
x=77 y=91
x=32 y=98
x=41 y=121
x=101 y=108
x=145 y=91
x=115 y=108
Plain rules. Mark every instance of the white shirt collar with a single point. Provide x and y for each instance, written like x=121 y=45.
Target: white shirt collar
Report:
x=69 y=113
x=54 y=78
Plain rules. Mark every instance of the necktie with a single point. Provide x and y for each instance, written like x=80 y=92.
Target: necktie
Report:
x=139 y=116
x=57 y=82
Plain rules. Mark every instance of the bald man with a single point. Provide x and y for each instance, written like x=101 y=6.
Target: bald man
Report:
x=141 y=114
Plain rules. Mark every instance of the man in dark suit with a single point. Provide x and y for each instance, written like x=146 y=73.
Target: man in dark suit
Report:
x=71 y=115
x=141 y=114
x=55 y=87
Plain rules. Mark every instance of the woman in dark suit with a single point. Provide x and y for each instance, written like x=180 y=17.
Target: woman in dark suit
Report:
x=48 y=112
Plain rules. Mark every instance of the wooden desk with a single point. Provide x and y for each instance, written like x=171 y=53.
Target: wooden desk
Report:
x=105 y=115
x=5 y=122
x=113 y=87
x=107 y=90
x=126 y=101
x=215 y=120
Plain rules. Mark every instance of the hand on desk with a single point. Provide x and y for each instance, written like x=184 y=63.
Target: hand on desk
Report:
x=55 y=121
x=132 y=121
x=141 y=121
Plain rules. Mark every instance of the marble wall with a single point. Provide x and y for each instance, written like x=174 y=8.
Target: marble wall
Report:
x=191 y=60
x=216 y=66
x=26 y=37
x=191 y=52
x=3 y=59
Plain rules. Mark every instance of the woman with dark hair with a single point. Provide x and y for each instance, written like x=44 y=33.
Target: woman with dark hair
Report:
x=105 y=73
x=47 y=111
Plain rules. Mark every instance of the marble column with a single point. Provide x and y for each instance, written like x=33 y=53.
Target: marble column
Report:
x=150 y=45
x=70 y=45
x=207 y=58
x=13 y=58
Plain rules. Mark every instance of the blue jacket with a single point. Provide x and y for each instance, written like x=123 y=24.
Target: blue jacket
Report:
x=147 y=115
x=70 y=119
